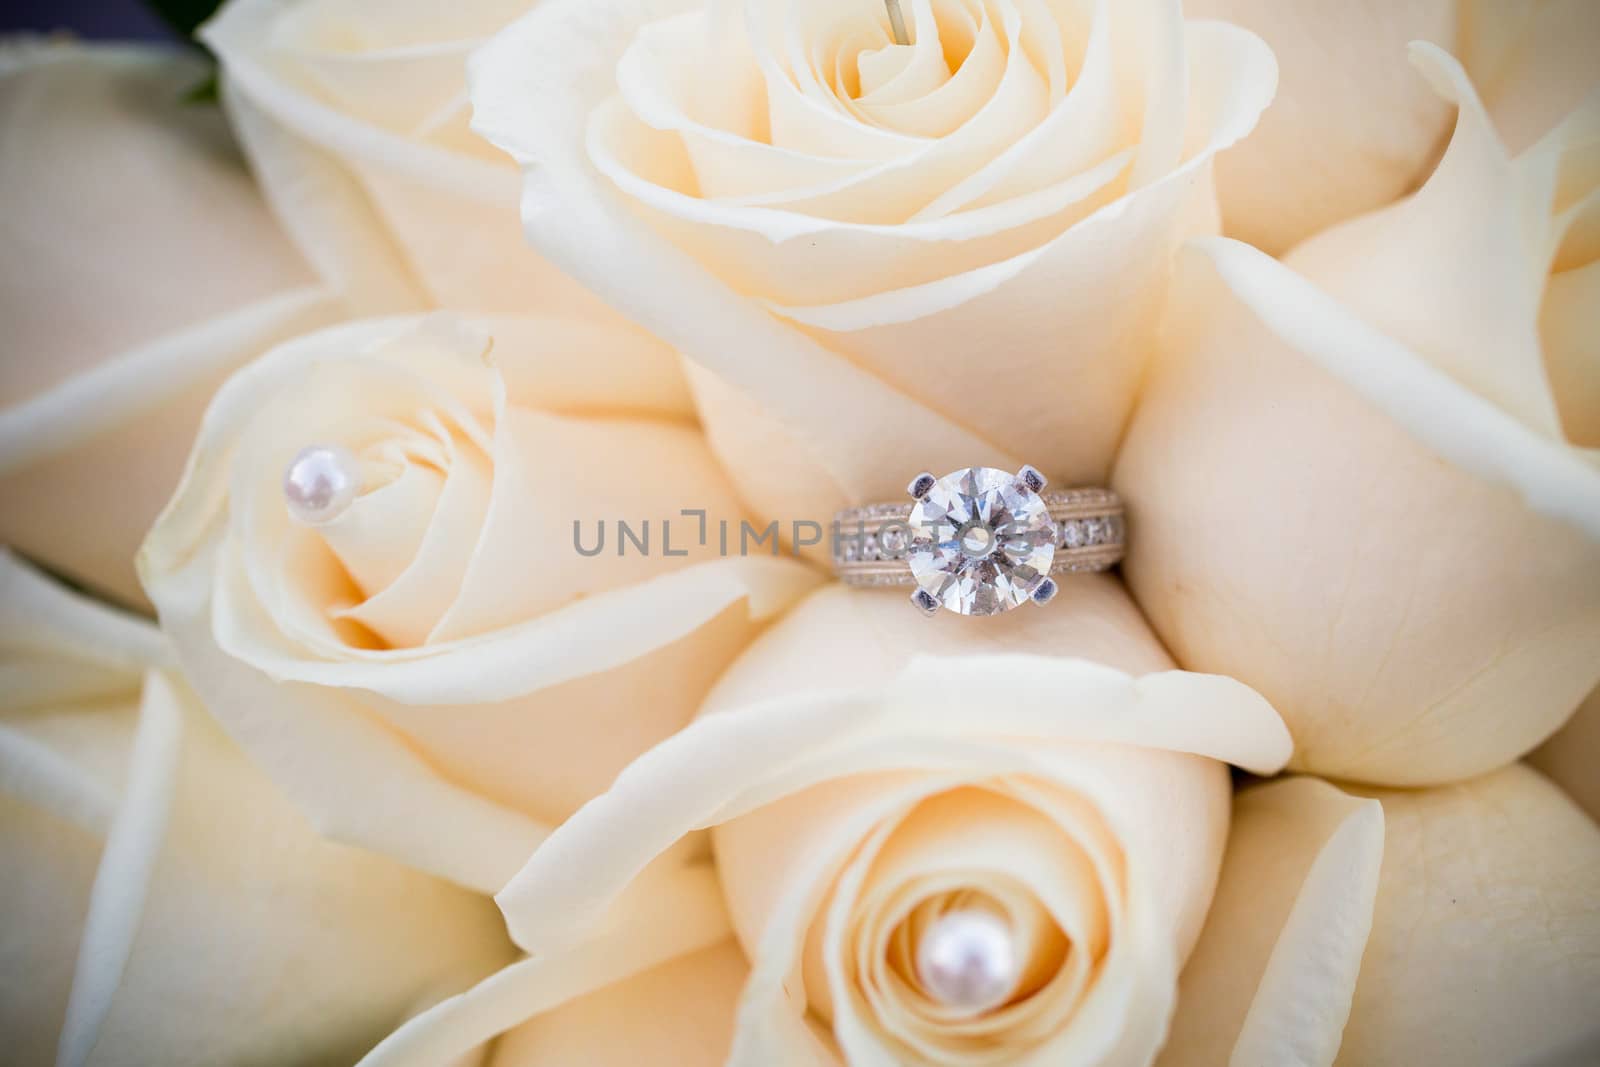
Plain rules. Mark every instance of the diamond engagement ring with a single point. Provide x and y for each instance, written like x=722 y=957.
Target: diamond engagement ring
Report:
x=979 y=541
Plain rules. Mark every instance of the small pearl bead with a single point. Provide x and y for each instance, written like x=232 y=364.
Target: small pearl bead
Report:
x=966 y=959
x=321 y=483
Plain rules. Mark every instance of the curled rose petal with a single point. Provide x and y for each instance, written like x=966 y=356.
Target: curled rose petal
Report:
x=1353 y=127
x=1453 y=924
x=1273 y=976
x=409 y=666
x=1533 y=61
x=566 y=1007
x=831 y=226
x=130 y=873
x=686 y=1005
x=1385 y=401
x=1085 y=807
x=354 y=115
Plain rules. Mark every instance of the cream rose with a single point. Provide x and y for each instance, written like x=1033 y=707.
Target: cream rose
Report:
x=864 y=779
x=880 y=258
x=141 y=267
x=354 y=113
x=1449 y=925
x=436 y=671
x=163 y=902
x=1365 y=480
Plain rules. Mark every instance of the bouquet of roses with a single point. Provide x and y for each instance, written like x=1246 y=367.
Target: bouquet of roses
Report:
x=791 y=533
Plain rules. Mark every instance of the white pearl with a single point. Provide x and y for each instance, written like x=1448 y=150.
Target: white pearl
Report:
x=321 y=482
x=967 y=960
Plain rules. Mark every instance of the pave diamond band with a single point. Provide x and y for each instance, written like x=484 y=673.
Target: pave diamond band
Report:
x=1090 y=536
x=981 y=540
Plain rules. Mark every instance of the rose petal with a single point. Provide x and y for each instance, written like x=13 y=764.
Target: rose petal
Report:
x=1472 y=309
x=672 y=917
x=323 y=210
x=151 y=891
x=364 y=909
x=122 y=882
x=541 y=458
x=124 y=103
x=1353 y=126
x=1554 y=478
x=1494 y=876
x=1569 y=757
x=408 y=610
x=359 y=781
x=363 y=198
x=1371 y=637
x=1534 y=61
x=381 y=533
x=686 y=1005
x=1272 y=978
x=114 y=364
x=596 y=633
x=1569 y=325
x=61 y=650
x=1090 y=109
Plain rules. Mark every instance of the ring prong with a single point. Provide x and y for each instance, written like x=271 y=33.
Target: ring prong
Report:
x=921 y=485
x=1044 y=590
x=1030 y=477
x=925 y=601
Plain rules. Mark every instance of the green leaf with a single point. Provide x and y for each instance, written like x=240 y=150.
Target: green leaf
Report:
x=203 y=93
x=184 y=16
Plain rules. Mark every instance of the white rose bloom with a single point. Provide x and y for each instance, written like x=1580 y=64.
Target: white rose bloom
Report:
x=864 y=778
x=880 y=258
x=429 y=664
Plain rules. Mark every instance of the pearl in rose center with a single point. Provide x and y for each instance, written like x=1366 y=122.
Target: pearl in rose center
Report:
x=320 y=483
x=967 y=959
